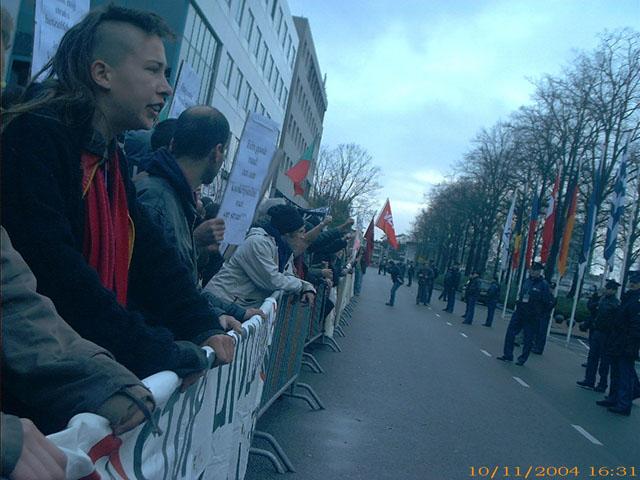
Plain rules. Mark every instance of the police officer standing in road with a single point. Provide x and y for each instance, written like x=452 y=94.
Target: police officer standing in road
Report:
x=411 y=270
x=623 y=346
x=451 y=283
x=597 y=361
x=421 y=296
x=471 y=294
x=533 y=302
x=493 y=295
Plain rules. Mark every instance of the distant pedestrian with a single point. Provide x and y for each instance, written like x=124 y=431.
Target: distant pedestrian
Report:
x=472 y=292
x=597 y=361
x=421 y=296
x=394 y=271
x=451 y=283
x=533 y=301
x=381 y=266
x=431 y=277
x=493 y=295
x=623 y=346
x=411 y=270
x=541 y=335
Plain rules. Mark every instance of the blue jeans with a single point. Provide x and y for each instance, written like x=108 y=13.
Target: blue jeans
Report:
x=491 y=309
x=597 y=361
x=451 y=299
x=396 y=286
x=518 y=323
x=470 y=310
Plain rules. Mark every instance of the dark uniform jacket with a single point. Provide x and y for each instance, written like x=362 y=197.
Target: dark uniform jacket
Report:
x=473 y=288
x=535 y=297
x=452 y=279
x=606 y=313
x=493 y=292
x=43 y=212
x=624 y=338
x=395 y=274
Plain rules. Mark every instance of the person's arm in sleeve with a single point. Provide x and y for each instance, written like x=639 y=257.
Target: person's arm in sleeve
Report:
x=257 y=261
x=31 y=182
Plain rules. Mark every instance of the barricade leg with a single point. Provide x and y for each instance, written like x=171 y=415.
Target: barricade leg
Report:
x=314 y=395
x=272 y=458
x=312 y=362
x=292 y=393
x=277 y=448
x=331 y=343
x=339 y=331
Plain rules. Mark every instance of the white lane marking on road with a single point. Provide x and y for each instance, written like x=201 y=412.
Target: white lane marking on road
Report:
x=449 y=323
x=437 y=314
x=584 y=344
x=464 y=335
x=521 y=382
x=587 y=435
x=486 y=353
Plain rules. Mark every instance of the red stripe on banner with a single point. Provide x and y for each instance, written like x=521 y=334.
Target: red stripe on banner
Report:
x=109 y=446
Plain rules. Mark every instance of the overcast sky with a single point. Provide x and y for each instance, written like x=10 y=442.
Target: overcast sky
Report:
x=413 y=81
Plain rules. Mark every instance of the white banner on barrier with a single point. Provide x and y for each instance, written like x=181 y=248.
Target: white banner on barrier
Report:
x=205 y=431
x=186 y=91
x=52 y=19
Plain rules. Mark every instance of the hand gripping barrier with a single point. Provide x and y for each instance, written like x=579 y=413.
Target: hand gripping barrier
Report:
x=205 y=431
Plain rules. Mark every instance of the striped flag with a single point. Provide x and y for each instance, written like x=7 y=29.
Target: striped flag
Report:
x=506 y=234
x=568 y=228
x=617 y=209
x=533 y=222
x=592 y=210
x=550 y=219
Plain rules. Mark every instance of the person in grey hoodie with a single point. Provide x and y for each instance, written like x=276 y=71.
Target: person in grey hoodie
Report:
x=262 y=264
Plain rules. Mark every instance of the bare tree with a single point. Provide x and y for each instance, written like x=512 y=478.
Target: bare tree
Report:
x=346 y=180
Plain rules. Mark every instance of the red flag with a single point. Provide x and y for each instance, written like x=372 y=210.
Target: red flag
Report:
x=299 y=171
x=550 y=221
x=517 y=242
x=385 y=223
x=368 y=236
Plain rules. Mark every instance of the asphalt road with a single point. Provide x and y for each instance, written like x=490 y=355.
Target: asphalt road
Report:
x=417 y=395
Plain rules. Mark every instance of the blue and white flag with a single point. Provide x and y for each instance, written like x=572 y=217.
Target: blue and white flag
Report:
x=592 y=210
x=617 y=210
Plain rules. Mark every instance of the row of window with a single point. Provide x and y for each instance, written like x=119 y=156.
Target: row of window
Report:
x=253 y=34
x=309 y=117
x=296 y=135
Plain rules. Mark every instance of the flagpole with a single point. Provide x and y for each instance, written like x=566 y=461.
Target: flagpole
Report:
x=555 y=294
x=581 y=270
x=506 y=297
x=627 y=246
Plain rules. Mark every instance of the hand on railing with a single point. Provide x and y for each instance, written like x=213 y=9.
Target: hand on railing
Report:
x=251 y=312
x=308 y=297
x=223 y=346
x=229 y=323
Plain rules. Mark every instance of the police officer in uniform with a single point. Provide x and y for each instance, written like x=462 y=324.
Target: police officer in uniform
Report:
x=604 y=317
x=533 y=301
x=623 y=345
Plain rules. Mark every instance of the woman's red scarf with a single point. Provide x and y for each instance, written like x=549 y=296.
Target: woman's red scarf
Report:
x=108 y=229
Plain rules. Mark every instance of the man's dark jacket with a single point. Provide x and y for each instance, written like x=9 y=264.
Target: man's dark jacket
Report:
x=168 y=199
x=539 y=296
x=473 y=288
x=608 y=307
x=43 y=212
x=624 y=338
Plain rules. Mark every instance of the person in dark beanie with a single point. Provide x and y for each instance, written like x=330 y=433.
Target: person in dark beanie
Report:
x=263 y=263
x=96 y=254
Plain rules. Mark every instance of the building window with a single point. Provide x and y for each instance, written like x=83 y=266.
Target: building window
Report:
x=261 y=109
x=238 y=88
x=270 y=69
x=200 y=50
x=254 y=103
x=276 y=78
x=228 y=71
x=293 y=58
x=280 y=89
x=286 y=32
x=279 y=19
x=256 y=47
x=240 y=11
x=284 y=98
x=263 y=60
x=247 y=96
x=251 y=21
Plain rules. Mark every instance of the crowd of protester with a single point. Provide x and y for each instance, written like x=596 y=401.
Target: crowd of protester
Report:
x=111 y=262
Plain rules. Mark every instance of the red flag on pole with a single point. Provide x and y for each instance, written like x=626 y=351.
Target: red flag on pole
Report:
x=368 y=236
x=385 y=223
x=568 y=230
x=549 y=221
x=533 y=222
x=299 y=171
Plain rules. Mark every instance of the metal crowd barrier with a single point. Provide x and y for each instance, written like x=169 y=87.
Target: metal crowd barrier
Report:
x=206 y=431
